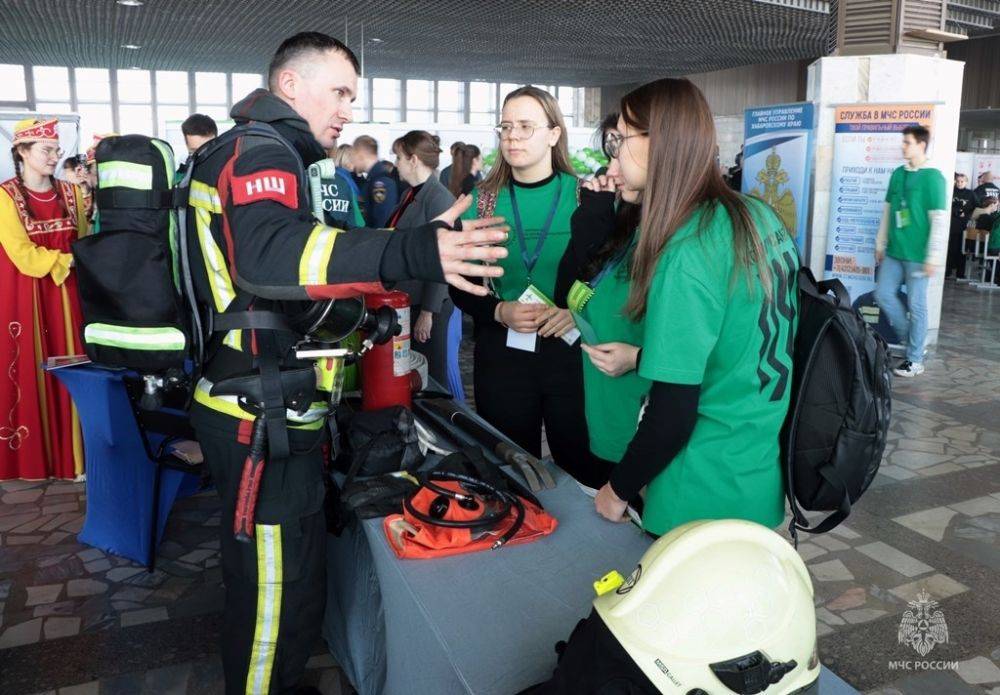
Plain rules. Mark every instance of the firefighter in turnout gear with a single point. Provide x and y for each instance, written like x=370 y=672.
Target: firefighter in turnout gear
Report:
x=257 y=254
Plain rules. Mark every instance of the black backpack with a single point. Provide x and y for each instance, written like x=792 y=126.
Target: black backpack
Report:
x=136 y=289
x=128 y=273
x=838 y=418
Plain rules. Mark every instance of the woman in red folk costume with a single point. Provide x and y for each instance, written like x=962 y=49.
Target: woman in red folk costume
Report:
x=39 y=312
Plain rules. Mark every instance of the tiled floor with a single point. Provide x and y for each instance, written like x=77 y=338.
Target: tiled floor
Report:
x=928 y=530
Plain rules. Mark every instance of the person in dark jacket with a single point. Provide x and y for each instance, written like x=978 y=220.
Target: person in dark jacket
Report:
x=963 y=202
x=255 y=244
x=380 y=194
x=417 y=156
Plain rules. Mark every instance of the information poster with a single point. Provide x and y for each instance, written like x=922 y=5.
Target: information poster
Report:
x=867 y=148
x=778 y=160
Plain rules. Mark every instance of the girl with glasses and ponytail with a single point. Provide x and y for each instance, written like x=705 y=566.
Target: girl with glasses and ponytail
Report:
x=525 y=374
x=40 y=313
x=712 y=279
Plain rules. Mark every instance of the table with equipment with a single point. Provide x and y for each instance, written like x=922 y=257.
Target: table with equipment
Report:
x=483 y=623
x=120 y=475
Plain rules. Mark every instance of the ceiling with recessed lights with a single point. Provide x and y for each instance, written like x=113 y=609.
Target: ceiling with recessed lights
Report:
x=580 y=42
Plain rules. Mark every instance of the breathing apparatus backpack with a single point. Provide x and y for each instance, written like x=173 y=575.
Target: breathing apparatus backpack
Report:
x=137 y=293
x=128 y=274
x=136 y=290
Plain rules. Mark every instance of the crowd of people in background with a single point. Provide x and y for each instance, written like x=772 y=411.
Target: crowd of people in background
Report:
x=577 y=263
x=975 y=214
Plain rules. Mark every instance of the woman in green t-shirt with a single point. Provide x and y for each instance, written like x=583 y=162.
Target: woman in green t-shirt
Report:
x=712 y=278
x=594 y=282
x=525 y=373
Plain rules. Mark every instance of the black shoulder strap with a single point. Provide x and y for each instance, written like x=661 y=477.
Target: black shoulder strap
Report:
x=215 y=333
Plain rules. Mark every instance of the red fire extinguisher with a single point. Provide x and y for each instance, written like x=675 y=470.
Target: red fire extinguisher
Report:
x=385 y=369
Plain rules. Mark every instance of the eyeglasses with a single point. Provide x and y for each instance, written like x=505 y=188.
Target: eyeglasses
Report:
x=613 y=143
x=49 y=152
x=521 y=131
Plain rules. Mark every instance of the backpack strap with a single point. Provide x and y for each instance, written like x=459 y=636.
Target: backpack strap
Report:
x=237 y=315
x=822 y=290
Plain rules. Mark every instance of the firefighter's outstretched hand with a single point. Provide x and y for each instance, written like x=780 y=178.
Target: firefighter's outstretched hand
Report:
x=476 y=242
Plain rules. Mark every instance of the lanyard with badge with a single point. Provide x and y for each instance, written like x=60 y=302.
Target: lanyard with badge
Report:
x=531 y=294
x=543 y=233
x=903 y=214
x=582 y=292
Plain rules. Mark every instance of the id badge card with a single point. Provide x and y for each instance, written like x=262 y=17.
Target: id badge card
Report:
x=522 y=341
x=903 y=218
x=533 y=295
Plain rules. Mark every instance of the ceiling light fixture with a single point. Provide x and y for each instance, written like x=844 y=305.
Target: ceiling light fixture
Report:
x=130 y=3
x=376 y=40
x=131 y=46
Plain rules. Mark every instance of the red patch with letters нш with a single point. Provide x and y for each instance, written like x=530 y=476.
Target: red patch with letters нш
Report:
x=269 y=184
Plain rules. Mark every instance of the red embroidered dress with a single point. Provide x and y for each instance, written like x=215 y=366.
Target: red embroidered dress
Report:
x=39 y=317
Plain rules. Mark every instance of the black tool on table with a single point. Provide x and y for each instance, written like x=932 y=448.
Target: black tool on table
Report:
x=533 y=470
x=477 y=462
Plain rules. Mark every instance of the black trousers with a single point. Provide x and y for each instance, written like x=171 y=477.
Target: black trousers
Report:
x=518 y=391
x=956 y=247
x=276 y=585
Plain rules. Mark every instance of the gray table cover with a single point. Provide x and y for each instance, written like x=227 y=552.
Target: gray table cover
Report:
x=483 y=623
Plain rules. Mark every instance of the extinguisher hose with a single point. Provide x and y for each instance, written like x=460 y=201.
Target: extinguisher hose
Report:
x=481 y=492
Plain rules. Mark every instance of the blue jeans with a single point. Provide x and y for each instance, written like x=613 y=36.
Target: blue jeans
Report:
x=893 y=274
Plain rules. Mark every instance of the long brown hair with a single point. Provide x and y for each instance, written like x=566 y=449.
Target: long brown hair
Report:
x=500 y=174
x=461 y=166
x=682 y=179
x=427 y=147
x=626 y=215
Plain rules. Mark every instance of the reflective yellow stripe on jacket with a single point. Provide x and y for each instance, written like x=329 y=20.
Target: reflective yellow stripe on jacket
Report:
x=312 y=419
x=206 y=202
x=316 y=256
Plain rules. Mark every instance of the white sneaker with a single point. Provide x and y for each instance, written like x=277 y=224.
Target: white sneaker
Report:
x=909 y=369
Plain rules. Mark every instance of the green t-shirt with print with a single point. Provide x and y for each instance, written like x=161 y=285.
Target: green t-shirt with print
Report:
x=706 y=325
x=994 y=240
x=911 y=195
x=612 y=403
x=534 y=202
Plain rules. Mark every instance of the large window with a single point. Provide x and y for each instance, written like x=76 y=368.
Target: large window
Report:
x=210 y=94
x=135 y=102
x=173 y=99
x=360 y=105
x=244 y=83
x=386 y=100
x=141 y=101
x=14 y=86
x=451 y=102
x=571 y=105
x=483 y=103
x=420 y=100
x=52 y=89
x=93 y=96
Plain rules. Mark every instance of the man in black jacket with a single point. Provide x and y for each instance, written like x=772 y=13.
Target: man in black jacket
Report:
x=257 y=251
